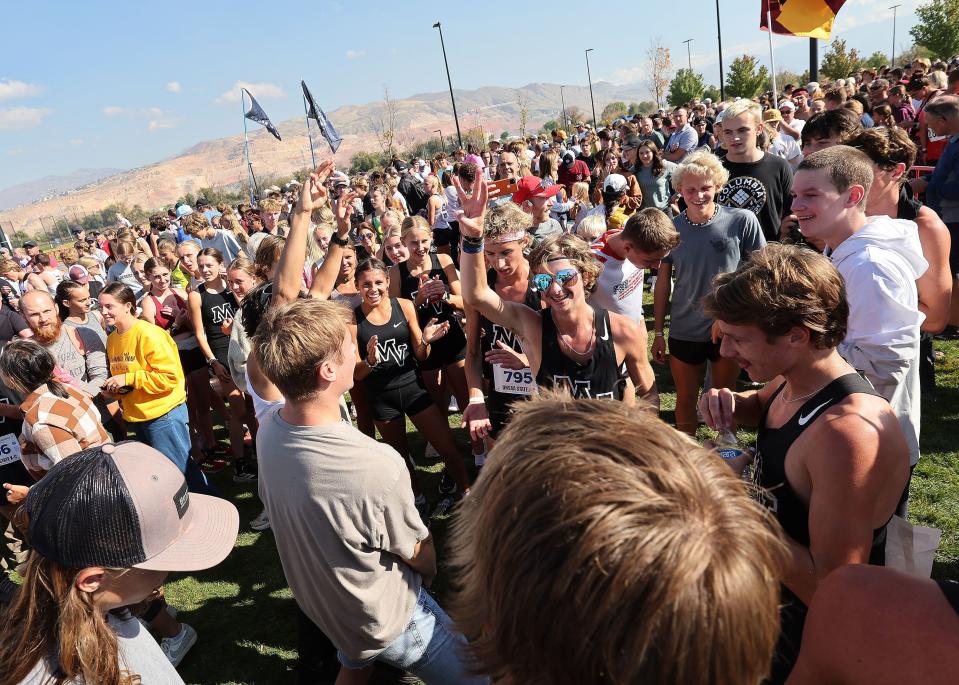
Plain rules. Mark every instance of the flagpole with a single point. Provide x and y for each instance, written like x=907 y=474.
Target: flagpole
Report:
x=251 y=180
x=309 y=137
x=772 y=59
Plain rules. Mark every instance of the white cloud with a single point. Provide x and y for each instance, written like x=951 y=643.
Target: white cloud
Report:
x=355 y=54
x=22 y=118
x=262 y=91
x=161 y=123
x=11 y=90
x=174 y=87
x=76 y=141
x=114 y=111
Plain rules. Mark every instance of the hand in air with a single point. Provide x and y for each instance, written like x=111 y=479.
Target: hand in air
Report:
x=434 y=331
x=472 y=212
x=314 y=192
x=343 y=209
x=507 y=357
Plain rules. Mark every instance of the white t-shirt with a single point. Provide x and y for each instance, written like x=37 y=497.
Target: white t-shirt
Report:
x=786 y=147
x=619 y=288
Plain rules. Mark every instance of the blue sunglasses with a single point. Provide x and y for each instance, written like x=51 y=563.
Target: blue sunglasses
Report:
x=542 y=282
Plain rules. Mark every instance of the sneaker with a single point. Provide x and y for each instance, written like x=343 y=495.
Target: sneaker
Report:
x=175 y=648
x=244 y=474
x=430 y=452
x=261 y=522
x=212 y=463
x=444 y=506
x=454 y=408
x=422 y=507
x=479 y=460
x=447 y=485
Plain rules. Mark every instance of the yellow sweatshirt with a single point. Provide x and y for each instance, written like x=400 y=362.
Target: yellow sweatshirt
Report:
x=148 y=357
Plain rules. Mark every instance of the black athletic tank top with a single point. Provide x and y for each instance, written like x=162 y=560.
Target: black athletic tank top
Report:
x=772 y=445
x=908 y=206
x=394 y=347
x=491 y=333
x=216 y=308
x=446 y=349
x=598 y=378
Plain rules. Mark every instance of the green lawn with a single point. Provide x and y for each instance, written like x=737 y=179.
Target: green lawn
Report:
x=244 y=613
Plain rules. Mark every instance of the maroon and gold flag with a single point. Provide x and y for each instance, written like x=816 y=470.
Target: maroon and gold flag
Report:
x=809 y=18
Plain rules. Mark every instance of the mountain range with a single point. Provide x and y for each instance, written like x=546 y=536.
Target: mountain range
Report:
x=220 y=162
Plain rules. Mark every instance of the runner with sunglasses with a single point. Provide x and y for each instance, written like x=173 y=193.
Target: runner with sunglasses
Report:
x=592 y=352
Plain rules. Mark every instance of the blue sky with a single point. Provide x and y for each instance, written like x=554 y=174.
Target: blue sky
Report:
x=122 y=84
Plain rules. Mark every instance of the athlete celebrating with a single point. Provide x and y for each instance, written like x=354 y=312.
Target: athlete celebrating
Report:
x=592 y=352
x=831 y=458
x=495 y=363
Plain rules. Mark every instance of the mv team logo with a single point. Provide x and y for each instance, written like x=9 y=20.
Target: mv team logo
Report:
x=221 y=313
x=744 y=192
x=580 y=390
x=507 y=336
x=389 y=350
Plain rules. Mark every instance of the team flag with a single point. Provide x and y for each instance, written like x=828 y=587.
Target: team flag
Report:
x=257 y=114
x=809 y=18
x=317 y=114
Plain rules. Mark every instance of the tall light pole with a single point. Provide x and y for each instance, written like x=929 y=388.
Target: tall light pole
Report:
x=565 y=118
x=459 y=136
x=719 y=37
x=892 y=63
x=439 y=132
x=592 y=104
x=689 y=55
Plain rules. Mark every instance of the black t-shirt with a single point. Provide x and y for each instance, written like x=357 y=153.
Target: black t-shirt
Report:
x=761 y=187
x=11 y=324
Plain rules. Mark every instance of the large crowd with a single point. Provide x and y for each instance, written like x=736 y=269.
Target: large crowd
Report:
x=800 y=272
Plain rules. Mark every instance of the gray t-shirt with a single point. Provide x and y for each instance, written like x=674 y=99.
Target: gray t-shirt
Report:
x=89 y=367
x=705 y=252
x=226 y=243
x=342 y=513
x=139 y=654
x=545 y=230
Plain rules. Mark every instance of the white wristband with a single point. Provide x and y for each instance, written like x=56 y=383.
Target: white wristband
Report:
x=478 y=400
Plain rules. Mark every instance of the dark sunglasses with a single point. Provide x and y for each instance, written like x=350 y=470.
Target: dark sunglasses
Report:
x=542 y=282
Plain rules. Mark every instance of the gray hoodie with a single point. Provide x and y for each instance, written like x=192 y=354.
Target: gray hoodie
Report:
x=880 y=264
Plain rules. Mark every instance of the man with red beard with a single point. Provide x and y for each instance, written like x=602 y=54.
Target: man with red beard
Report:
x=78 y=351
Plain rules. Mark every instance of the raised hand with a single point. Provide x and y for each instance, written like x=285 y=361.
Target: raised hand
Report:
x=343 y=210
x=472 y=211
x=434 y=331
x=314 y=191
x=372 y=355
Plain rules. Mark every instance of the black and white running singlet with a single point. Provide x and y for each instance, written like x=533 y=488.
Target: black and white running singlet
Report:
x=452 y=346
x=599 y=378
x=394 y=347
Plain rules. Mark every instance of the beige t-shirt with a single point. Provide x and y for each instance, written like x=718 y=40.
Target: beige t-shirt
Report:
x=342 y=513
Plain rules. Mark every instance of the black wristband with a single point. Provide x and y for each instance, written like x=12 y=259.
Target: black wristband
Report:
x=336 y=240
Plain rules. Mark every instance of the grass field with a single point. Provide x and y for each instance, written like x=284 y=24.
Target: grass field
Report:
x=244 y=612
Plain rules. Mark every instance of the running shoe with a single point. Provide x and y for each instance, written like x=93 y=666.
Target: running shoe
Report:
x=422 y=507
x=261 y=522
x=244 y=474
x=445 y=505
x=447 y=485
x=212 y=463
x=454 y=407
x=175 y=648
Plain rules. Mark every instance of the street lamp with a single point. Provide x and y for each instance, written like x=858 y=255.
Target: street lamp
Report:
x=439 y=132
x=459 y=136
x=592 y=104
x=688 y=54
x=565 y=118
x=892 y=64
x=719 y=37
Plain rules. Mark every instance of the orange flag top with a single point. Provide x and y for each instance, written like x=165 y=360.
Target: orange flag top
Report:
x=808 y=18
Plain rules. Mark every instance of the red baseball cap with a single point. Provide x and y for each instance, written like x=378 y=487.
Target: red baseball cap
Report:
x=534 y=186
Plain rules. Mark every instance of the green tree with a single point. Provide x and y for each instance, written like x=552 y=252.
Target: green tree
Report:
x=685 y=86
x=712 y=92
x=910 y=54
x=551 y=125
x=838 y=63
x=504 y=136
x=937 y=28
x=366 y=161
x=876 y=60
x=613 y=110
x=744 y=79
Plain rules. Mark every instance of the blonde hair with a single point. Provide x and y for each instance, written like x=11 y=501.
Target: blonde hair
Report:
x=573 y=248
x=701 y=163
x=124 y=248
x=244 y=264
x=69 y=256
x=294 y=339
x=413 y=223
x=600 y=545
x=86 y=262
x=270 y=204
x=231 y=222
x=505 y=220
x=591 y=227
x=581 y=191
x=744 y=106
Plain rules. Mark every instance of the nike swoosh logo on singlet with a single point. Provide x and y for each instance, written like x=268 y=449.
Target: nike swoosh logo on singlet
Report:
x=803 y=420
x=605 y=335
x=397 y=324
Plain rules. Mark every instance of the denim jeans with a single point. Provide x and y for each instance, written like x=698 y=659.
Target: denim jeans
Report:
x=429 y=648
x=170 y=436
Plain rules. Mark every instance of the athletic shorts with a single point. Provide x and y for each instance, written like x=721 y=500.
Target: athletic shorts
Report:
x=694 y=353
x=954 y=249
x=191 y=360
x=442 y=354
x=442 y=236
x=394 y=403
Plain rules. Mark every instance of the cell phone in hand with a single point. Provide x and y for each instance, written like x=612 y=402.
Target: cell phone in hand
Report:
x=501 y=188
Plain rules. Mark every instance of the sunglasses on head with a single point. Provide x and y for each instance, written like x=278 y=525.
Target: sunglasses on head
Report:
x=542 y=282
